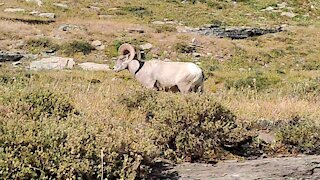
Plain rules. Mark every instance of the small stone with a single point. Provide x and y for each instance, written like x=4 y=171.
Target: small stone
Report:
x=16 y=63
x=288 y=14
x=136 y=31
x=14 y=10
x=95 y=8
x=196 y=54
x=158 y=22
x=47 y=15
x=146 y=46
x=71 y=27
x=1 y=4
x=62 y=6
x=38 y=2
x=34 y=13
x=96 y=43
x=101 y=48
x=270 y=8
x=90 y=66
x=282 y=5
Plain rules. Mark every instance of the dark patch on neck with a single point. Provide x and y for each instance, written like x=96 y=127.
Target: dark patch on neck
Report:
x=141 y=63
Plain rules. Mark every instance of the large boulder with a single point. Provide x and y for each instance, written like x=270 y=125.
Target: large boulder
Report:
x=54 y=63
x=90 y=66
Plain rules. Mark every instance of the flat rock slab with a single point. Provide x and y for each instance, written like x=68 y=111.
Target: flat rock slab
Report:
x=54 y=63
x=10 y=56
x=90 y=66
x=304 y=167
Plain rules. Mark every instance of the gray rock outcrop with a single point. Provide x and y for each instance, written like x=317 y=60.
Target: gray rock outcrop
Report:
x=10 y=56
x=54 y=63
x=303 y=167
x=233 y=33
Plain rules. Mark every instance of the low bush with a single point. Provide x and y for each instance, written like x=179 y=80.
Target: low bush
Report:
x=77 y=46
x=41 y=44
x=42 y=103
x=186 y=127
x=184 y=48
x=300 y=135
x=256 y=82
x=68 y=149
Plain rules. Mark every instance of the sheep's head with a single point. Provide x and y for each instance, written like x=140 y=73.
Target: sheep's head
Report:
x=126 y=54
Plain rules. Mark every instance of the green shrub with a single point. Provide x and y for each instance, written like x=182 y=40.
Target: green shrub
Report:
x=306 y=87
x=185 y=127
x=43 y=103
x=77 y=47
x=184 y=48
x=300 y=135
x=41 y=44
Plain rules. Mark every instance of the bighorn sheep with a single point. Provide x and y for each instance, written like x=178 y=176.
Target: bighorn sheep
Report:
x=160 y=75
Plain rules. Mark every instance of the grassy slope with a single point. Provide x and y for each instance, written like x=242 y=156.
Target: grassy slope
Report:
x=290 y=56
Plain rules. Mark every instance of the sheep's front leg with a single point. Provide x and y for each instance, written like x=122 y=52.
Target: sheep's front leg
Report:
x=184 y=87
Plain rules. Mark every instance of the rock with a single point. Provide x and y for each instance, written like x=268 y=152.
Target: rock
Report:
x=95 y=8
x=270 y=8
x=15 y=64
x=90 y=66
x=10 y=56
x=288 y=14
x=38 y=2
x=135 y=30
x=302 y=167
x=195 y=54
x=101 y=48
x=62 y=6
x=282 y=5
x=71 y=27
x=54 y=63
x=1 y=4
x=158 y=22
x=47 y=15
x=146 y=46
x=14 y=10
x=96 y=43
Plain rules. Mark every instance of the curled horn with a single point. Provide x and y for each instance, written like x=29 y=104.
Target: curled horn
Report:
x=127 y=49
